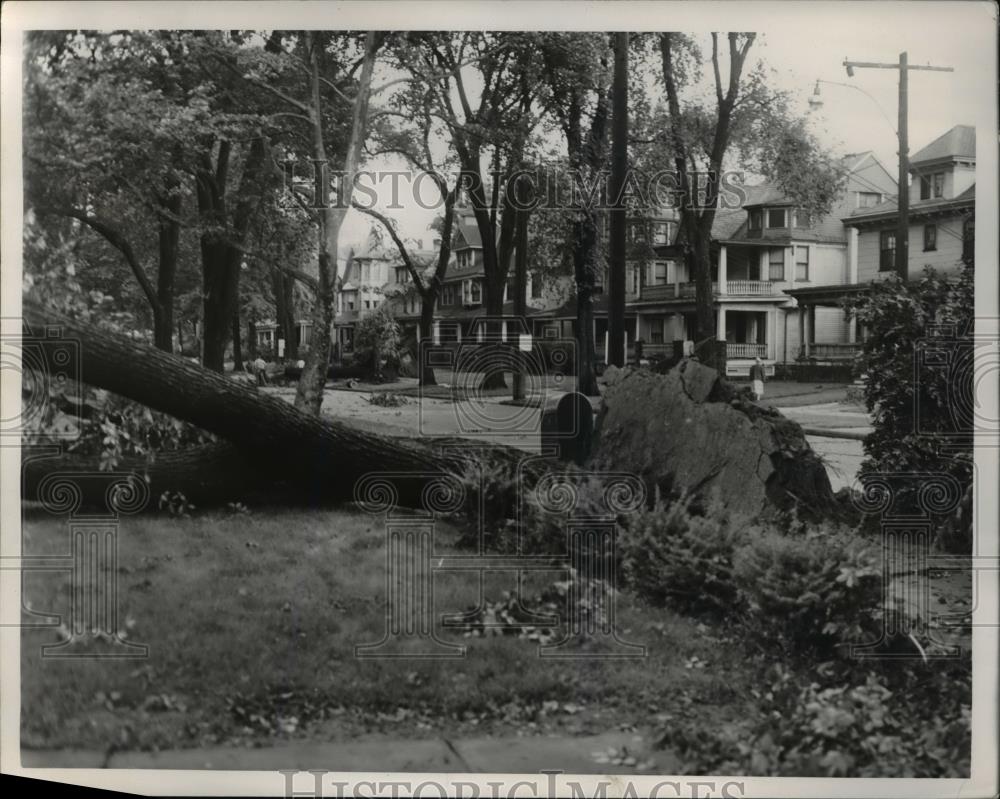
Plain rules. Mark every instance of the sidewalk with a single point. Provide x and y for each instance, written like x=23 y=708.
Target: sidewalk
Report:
x=528 y=755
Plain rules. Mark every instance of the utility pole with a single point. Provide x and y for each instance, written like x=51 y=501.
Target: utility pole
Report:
x=619 y=168
x=903 y=201
x=520 y=288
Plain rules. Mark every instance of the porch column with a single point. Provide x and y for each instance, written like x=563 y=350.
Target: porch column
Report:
x=458 y=332
x=810 y=322
x=852 y=255
x=437 y=332
x=637 y=336
x=503 y=331
x=418 y=334
x=770 y=334
x=802 y=329
x=677 y=280
x=723 y=288
x=852 y=329
x=720 y=331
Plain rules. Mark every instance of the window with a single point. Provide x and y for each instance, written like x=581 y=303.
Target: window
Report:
x=802 y=263
x=930 y=237
x=776 y=218
x=402 y=275
x=633 y=280
x=448 y=294
x=656 y=274
x=887 y=251
x=350 y=303
x=755 y=220
x=661 y=233
x=368 y=304
x=656 y=331
x=776 y=264
x=868 y=199
x=969 y=240
x=536 y=287
x=471 y=292
x=932 y=186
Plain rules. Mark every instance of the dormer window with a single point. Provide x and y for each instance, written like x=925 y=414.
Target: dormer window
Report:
x=465 y=259
x=756 y=217
x=932 y=186
x=777 y=218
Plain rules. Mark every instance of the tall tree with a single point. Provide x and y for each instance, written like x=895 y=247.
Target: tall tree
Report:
x=751 y=125
x=578 y=76
x=619 y=169
x=489 y=135
x=103 y=112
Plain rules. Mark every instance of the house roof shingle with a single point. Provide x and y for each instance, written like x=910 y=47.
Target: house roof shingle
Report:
x=959 y=142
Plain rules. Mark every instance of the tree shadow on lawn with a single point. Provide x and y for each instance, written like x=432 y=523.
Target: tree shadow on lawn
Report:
x=252 y=621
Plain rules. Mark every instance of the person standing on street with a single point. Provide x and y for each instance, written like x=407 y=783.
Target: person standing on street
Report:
x=757 y=379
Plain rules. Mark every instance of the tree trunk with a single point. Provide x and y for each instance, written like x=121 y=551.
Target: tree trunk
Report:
x=284 y=310
x=619 y=167
x=309 y=393
x=427 y=377
x=584 y=245
x=237 y=344
x=323 y=458
x=221 y=274
x=169 y=246
x=252 y=340
x=312 y=381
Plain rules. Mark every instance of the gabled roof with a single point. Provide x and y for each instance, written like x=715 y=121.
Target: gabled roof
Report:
x=853 y=161
x=468 y=232
x=765 y=194
x=959 y=142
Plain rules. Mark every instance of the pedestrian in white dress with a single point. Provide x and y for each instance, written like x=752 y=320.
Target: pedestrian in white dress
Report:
x=757 y=379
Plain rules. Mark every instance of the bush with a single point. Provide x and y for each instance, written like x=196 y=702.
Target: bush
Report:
x=378 y=341
x=670 y=554
x=923 y=422
x=812 y=591
x=810 y=727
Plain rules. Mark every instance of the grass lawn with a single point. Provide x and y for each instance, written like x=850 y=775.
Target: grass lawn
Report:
x=251 y=622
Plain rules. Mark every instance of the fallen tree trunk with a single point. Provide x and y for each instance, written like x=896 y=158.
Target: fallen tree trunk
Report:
x=271 y=443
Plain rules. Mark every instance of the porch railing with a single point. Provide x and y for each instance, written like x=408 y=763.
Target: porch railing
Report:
x=737 y=288
x=735 y=350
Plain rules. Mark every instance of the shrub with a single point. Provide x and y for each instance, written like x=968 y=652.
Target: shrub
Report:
x=808 y=727
x=669 y=554
x=811 y=591
x=379 y=341
x=923 y=422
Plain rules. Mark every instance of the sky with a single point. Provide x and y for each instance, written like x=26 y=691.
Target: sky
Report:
x=801 y=40
x=806 y=42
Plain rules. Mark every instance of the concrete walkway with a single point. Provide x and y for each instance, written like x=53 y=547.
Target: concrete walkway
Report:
x=522 y=755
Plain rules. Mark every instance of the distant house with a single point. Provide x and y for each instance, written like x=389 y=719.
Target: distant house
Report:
x=762 y=255
x=942 y=212
x=942 y=235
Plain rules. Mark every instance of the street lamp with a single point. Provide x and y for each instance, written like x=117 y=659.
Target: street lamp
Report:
x=816 y=100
